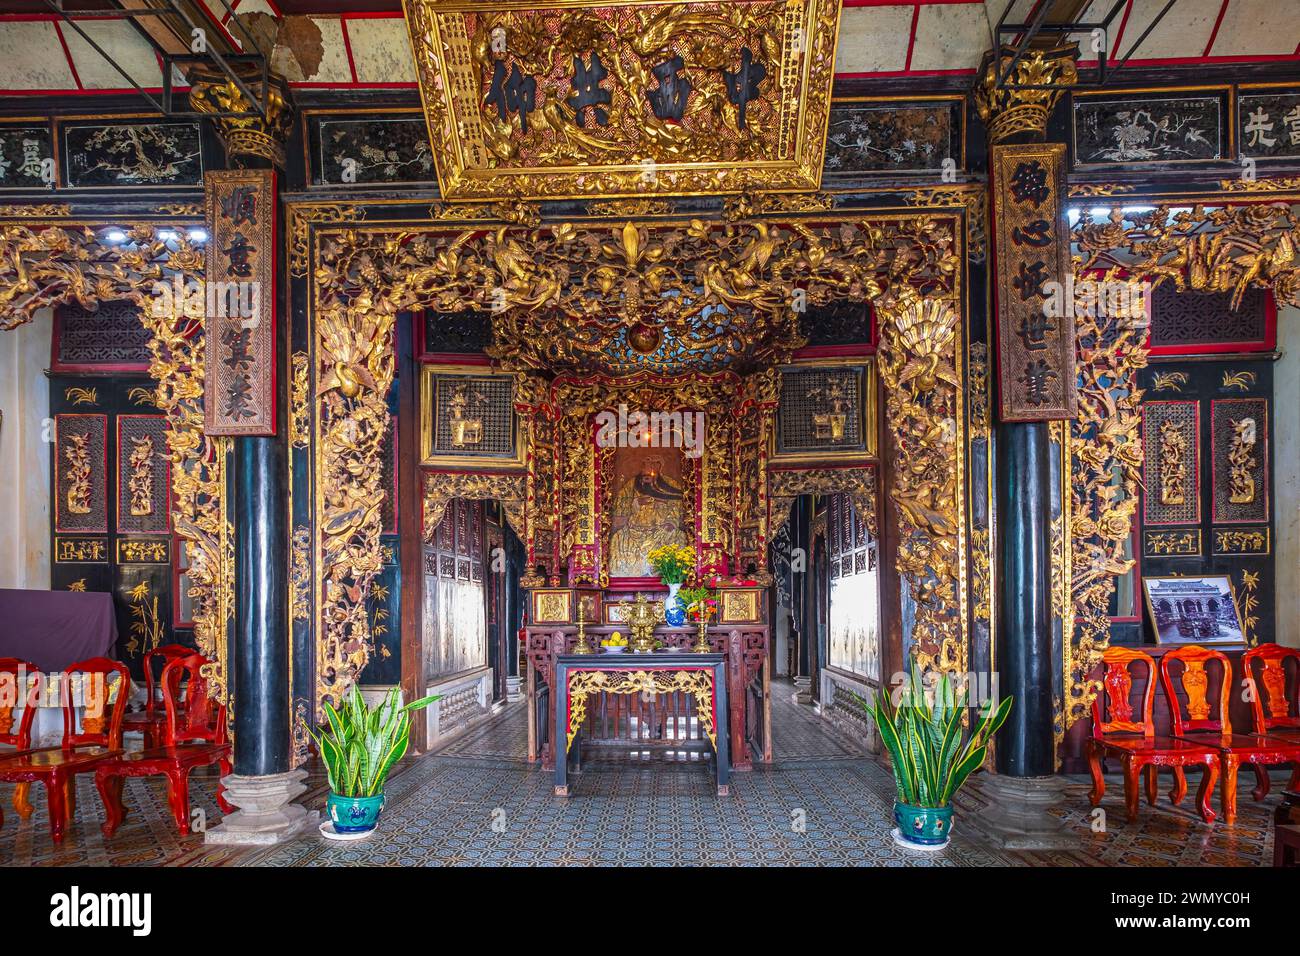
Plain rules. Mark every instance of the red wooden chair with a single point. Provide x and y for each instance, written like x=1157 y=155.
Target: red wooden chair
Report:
x=1274 y=712
x=1200 y=720
x=151 y=721
x=1134 y=742
x=19 y=683
x=195 y=736
x=88 y=739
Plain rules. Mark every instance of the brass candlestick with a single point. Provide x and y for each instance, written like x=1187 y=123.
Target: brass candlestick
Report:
x=582 y=647
x=702 y=645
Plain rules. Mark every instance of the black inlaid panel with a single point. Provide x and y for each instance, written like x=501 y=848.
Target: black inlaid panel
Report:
x=1147 y=129
x=127 y=153
x=1268 y=124
x=358 y=151
x=893 y=137
x=26 y=157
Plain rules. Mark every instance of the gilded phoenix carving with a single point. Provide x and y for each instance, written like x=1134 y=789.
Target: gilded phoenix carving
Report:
x=919 y=367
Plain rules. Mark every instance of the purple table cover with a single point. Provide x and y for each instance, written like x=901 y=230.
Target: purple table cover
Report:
x=53 y=629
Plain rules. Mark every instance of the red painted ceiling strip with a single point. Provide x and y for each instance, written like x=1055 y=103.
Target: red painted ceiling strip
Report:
x=911 y=40
x=1215 y=32
x=1114 y=51
x=68 y=54
x=347 y=48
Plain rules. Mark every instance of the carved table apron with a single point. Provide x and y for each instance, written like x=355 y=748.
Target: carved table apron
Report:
x=581 y=676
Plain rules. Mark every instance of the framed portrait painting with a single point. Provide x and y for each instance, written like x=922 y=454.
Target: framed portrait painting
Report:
x=1194 y=610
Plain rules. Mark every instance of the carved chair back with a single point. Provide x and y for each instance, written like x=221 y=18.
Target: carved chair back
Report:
x=100 y=686
x=163 y=655
x=20 y=685
x=1115 y=700
x=1196 y=668
x=191 y=714
x=1271 y=706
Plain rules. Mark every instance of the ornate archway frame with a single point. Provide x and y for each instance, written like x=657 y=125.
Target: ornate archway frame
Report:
x=50 y=257
x=909 y=263
x=1244 y=235
x=857 y=481
x=441 y=487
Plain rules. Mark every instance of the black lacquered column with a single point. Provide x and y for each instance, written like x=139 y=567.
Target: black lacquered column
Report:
x=1024 y=633
x=261 y=648
x=262 y=548
x=1036 y=363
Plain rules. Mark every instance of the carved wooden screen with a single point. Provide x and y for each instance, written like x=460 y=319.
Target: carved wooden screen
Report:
x=110 y=488
x=1207 y=504
x=454 y=613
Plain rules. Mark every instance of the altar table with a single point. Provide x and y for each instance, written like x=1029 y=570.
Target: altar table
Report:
x=582 y=676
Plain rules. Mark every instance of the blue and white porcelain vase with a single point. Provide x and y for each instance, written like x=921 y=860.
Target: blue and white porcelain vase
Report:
x=674 y=613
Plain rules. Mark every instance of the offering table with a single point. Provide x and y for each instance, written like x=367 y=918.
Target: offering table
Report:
x=743 y=648
x=581 y=677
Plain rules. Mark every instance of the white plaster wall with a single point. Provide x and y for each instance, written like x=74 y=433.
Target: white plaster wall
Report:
x=1286 y=475
x=25 y=455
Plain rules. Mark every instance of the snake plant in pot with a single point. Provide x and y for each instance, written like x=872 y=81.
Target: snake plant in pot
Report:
x=359 y=747
x=923 y=733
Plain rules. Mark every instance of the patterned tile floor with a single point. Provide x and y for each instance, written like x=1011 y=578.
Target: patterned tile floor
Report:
x=478 y=802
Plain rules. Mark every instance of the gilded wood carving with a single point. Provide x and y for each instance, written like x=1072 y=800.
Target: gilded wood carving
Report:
x=1197 y=245
x=47 y=265
x=553 y=287
x=569 y=99
x=583 y=684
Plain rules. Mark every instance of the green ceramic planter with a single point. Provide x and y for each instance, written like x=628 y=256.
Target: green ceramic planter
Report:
x=925 y=826
x=354 y=814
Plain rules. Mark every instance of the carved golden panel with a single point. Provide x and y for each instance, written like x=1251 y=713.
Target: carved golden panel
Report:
x=570 y=99
x=552 y=607
x=739 y=606
x=467 y=417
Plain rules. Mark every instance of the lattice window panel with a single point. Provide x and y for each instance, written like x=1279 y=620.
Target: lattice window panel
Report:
x=151 y=430
x=1186 y=419
x=388 y=478
x=1224 y=413
x=1185 y=320
x=112 y=336
x=803 y=396
x=491 y=402
x=81 y=473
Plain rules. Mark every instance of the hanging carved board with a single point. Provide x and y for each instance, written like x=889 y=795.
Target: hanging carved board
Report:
x=567 y=99
x=1036 y=342
x=239 y=331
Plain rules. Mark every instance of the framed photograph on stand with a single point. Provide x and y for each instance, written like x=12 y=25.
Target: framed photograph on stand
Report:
x=1194 y=610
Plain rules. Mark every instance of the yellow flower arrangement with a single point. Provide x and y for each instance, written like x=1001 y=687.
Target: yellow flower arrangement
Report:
x=672 y=562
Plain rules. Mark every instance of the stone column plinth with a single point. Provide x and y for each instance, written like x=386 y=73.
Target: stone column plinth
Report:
x=267 y=813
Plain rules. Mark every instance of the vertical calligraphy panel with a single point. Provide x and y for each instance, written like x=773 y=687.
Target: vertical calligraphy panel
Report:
x=1035 y=302
x=239 y=392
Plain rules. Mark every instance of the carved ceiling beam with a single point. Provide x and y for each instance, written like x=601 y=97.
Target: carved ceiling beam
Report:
x=660 y=295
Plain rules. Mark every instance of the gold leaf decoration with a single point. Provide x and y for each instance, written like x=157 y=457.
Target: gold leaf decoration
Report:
x=1244 y=381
